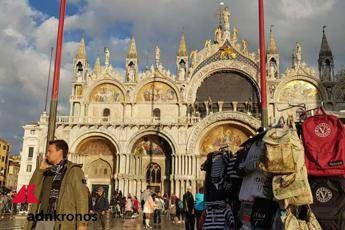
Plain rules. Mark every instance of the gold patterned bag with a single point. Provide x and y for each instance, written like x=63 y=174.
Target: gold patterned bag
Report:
x=284 y=152
x=292 y=223
x=292 y=189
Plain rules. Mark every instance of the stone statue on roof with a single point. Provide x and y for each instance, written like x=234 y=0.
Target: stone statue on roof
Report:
x=226 y=18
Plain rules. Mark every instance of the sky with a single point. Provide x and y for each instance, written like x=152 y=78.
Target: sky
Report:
x=28 y=29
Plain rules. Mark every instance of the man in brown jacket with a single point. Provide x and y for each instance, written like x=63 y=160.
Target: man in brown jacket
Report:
x=62 y=193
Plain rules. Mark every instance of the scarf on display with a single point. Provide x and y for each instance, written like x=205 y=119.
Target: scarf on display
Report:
x=58 y=171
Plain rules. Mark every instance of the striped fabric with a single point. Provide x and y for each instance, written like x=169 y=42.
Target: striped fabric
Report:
x=218 y=218
x=230 y=162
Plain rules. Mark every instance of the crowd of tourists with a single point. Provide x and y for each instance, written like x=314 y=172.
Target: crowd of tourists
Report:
x=152 y=205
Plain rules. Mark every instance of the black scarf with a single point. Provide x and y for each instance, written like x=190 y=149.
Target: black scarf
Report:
x=58 y=171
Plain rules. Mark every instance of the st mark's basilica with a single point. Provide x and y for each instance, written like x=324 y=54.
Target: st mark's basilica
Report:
x=156 y=128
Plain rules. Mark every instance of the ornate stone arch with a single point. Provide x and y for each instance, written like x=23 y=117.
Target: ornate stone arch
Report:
x=104 y=81
x=315 y=82
x=249 y=123
x=95 y=133
x=141 y=134
x=225 y=65
x=156 y=79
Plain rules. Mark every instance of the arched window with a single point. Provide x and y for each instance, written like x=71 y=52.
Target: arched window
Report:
x=106 y=112
x=131 y=64
x=153 y=173
x=148 y=175
x=182 y=64
x=157 y=113
x=153 y=176
x=105 y=171
x=158 y=176
x=79 y=67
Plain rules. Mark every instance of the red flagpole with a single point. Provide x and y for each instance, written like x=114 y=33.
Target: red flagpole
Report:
x=264 y=113
x=55 y=87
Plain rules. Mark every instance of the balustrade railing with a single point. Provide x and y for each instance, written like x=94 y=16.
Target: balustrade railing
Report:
x=195 y=113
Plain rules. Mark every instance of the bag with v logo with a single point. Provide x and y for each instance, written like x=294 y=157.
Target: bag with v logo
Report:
x=329 y=201
x=324 y=143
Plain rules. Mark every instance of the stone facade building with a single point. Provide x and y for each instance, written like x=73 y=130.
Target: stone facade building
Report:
x=12 y=171
x=4 y=153
x=156 y=128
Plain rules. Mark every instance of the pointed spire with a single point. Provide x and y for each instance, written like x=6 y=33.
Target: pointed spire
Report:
x=97 y=67
x=272 y=46
x=81 y=54
x=132 y=51
x=325 y=50
x=157 y=56
x=182 y=50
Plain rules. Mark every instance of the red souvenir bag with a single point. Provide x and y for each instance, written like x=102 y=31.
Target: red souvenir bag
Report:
x=324 y=144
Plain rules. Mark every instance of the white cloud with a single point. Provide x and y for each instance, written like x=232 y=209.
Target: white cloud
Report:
x=305 y=8
x=45 y=34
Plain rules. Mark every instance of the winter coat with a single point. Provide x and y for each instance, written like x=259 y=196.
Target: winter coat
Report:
x=73 y=197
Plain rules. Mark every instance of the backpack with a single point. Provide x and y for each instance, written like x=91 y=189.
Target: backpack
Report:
x=180 y=204
x=324 y=144
x=329 y=201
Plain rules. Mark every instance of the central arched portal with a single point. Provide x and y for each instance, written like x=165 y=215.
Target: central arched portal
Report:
x=233 y=90
x=98 y=156
x=155 y=153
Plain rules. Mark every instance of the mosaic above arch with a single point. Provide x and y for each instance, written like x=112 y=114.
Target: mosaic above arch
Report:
x=157 y=91
x=106 y=93
x=221 y=135
x=299 y=91
x=149 y=145
x=95 y=147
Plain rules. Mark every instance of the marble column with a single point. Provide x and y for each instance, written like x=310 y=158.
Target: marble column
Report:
x=234 y=105
x=220 y=105
x=173 y=164
x=206 y=106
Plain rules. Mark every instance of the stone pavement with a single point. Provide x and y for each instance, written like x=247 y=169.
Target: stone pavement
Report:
x=118 y=223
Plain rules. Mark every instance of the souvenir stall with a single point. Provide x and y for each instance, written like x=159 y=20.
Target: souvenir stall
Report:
x=279 y=179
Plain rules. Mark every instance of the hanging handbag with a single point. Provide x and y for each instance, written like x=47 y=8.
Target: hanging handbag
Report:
x=292 y=223
x=284 y=152
x=292 y=189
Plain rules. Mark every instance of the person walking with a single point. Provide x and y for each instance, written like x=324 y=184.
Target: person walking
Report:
x=143 y=198
x=159 y=208
x=188 y=207
x=135 y=205
x=60 y=188
x=101 y=206
x=149 y=207
x=199 y=206
x=128 y=207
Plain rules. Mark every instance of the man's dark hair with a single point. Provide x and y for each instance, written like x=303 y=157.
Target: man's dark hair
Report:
x=60 y=145
x=201 y=190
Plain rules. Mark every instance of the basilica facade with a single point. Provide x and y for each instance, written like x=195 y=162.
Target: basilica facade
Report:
x=155 y=128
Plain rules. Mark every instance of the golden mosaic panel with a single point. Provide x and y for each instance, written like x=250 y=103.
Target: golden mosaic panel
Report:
x=148 y=146
x=106 y=93
x=220 y=136
x=299 y=91
x=95 y=147
x=158 y=91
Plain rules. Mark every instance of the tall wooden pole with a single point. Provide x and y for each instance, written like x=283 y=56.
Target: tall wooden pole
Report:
x=55 y=88
x=264 y=113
